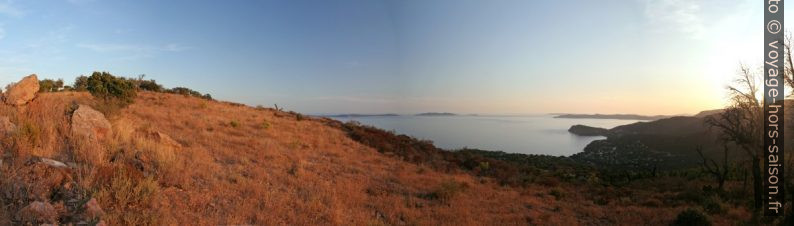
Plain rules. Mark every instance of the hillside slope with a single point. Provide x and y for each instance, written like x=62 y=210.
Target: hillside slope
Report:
x=172 y=159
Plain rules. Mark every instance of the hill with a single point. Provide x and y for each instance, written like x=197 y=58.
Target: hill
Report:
x=665 y=144
x=169 y=158
x=708 y=112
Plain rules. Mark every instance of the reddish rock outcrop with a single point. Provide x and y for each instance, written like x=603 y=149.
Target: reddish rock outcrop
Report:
x=90 y=123
x=23 y=91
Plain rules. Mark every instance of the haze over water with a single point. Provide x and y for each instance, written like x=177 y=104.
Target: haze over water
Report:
x=541 y=134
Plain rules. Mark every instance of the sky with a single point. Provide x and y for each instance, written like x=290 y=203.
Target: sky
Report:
x=408 y=56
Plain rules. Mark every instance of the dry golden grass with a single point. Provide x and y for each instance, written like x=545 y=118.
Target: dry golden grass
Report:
x=241 y=165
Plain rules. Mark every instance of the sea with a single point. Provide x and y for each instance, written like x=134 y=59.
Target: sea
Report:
x=532 y=134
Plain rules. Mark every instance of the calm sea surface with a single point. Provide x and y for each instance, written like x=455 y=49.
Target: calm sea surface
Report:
x=517 y=134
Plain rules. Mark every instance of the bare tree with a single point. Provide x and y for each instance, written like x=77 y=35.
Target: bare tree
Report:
x=788 y=68
x=788 y=75
x=741 y=123
x=719 y=171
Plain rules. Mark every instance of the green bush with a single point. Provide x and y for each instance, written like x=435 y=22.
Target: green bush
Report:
x=189 y=92
x=691 y=217
x=80 y=83
x=150 y=85
x=108 y=87
x=49 y=85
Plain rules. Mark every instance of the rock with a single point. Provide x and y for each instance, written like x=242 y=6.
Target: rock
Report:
x=163 y=138
x=37 y=213
x=53 y=163
x=6 y=126
x=583 y=130
x=23 y=91
x=90 y=123
x=92 y=209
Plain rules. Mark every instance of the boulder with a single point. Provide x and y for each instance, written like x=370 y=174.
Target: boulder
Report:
x=90 y=123
x=6 y=126
x=37 y=213
x=53 y=163
x=22 y=92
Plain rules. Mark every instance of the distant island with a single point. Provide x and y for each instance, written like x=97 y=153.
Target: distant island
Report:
x=583 y=130
x=436 y=114
x=613 y=116
x=359 y=115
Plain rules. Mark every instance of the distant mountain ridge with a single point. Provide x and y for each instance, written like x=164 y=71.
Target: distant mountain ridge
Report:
x=708 y=112
x=436 y=114
x=613 y=116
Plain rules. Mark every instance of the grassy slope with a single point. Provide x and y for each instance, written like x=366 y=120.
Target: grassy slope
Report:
x=241 y=165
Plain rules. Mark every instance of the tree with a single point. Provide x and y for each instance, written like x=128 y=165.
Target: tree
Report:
x=150 y=85
x=741 y=123
x=788 y=75
x=49 y=85
x=718 y=170
x=80 y=83
x=59 y=83
x=106 y=86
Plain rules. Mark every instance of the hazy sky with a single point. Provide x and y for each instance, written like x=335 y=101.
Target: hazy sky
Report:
x=630 y=56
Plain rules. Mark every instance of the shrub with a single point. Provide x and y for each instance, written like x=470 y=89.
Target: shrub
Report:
x=264 y=125
x=712 y=205
x=189 y=92
x=294 y=169
x=447 y=190
x=49 y=85
x=691 y=217
x=28 y=135
x=484 y=166
x=80 y=83
x=108 y=87
x=690 y=195
x=128 y=196
x=557 y=193
x=234 y=124
x=549 y=181
x=150 y=85
x=601 y=201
